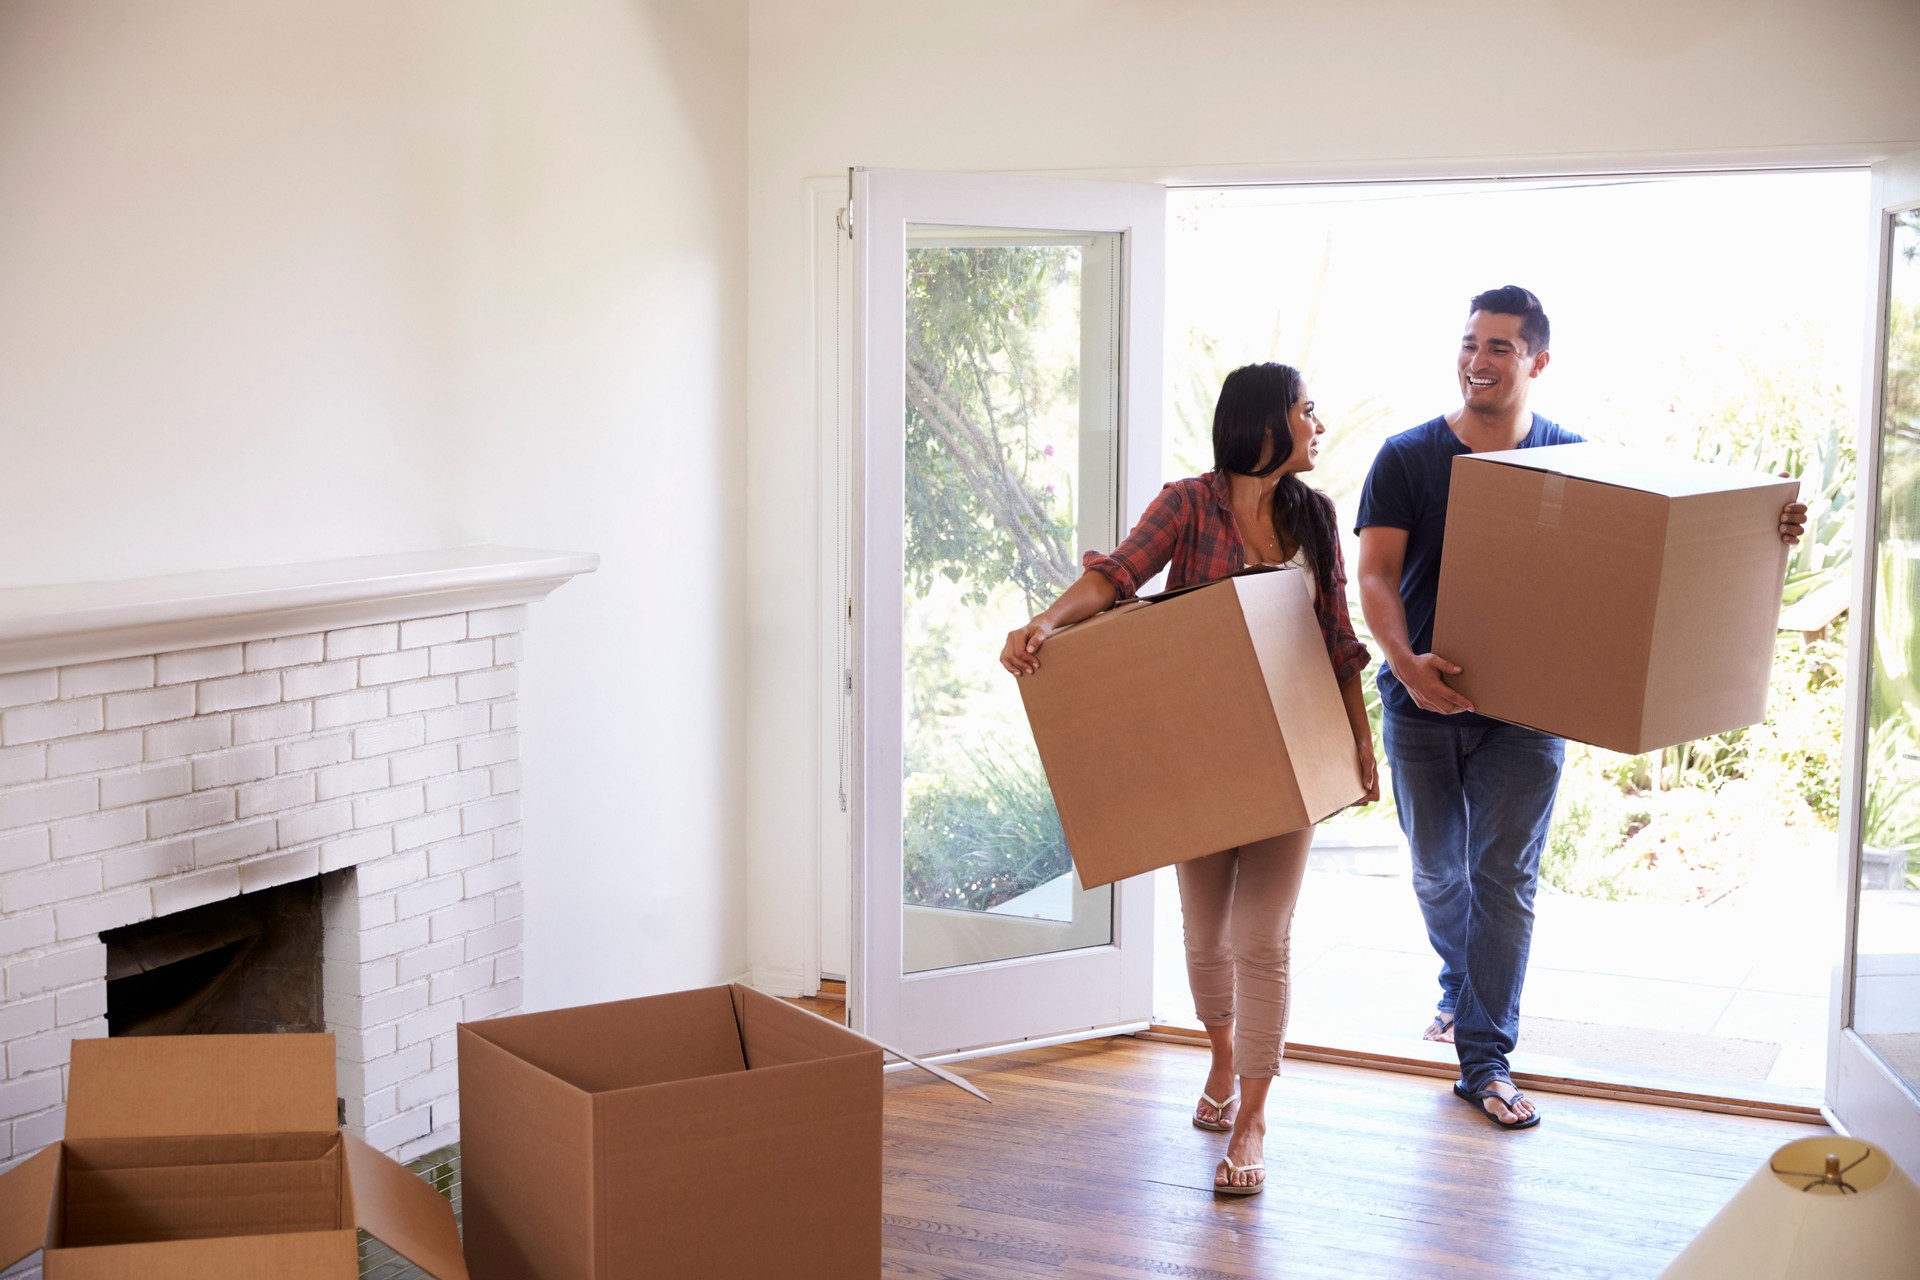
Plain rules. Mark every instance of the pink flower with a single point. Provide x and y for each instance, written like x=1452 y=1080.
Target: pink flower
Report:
x=1048 y=451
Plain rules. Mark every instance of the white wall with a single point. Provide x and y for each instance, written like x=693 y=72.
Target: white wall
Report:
x=1213 y=90
x=331 y=277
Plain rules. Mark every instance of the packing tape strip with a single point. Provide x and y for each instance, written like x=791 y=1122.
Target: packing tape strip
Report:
x=1552 y=490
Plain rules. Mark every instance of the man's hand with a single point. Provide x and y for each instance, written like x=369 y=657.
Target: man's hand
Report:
x=1793 y=522
x=1425 y=679
x=1793 y=518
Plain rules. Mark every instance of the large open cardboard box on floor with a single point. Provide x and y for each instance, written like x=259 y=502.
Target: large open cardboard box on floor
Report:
x=713 y=1133
x=1191 y=722
x=1611 y=597
x=214 y=1158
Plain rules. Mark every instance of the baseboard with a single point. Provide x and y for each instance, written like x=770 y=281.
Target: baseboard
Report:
x=784 y=983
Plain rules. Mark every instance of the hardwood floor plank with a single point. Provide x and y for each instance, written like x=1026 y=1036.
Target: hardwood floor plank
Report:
x=1087 y=1165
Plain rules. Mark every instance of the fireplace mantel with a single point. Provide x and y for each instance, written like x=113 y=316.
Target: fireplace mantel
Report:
x=96 y=621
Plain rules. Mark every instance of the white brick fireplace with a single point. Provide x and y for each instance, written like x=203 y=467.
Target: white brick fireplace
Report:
x=174 y=741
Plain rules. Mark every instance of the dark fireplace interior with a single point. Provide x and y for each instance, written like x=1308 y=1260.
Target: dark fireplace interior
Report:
x=245 y=965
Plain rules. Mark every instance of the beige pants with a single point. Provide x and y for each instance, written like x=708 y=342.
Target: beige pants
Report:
x=1237 y=907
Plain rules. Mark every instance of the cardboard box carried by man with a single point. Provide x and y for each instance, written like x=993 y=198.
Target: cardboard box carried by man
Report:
x=1616 y=598
x=214 y=1158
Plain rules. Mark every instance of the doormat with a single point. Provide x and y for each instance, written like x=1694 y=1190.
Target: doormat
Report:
x=1646 y=1049
x=1901 y=1049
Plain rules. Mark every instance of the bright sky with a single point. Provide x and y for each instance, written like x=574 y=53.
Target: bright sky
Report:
x=1660 y=291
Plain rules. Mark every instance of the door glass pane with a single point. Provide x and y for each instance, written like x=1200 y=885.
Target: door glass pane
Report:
x=1886 y=1004
x=1012 y=375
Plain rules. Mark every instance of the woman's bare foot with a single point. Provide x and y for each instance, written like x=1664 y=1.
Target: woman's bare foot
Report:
x=1219 y=1084
x=1244 y=1166
x=1219 y=1090
x=1244 y=1172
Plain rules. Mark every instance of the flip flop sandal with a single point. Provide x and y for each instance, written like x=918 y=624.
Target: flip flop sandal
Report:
x=1440 y=1030
x=1477 y=1099
x=1222 y=1125
x=1229 y=1189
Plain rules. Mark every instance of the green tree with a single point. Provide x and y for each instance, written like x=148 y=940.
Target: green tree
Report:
x=976 y=513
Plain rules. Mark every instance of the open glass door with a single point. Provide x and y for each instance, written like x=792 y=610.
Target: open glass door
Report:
x=1873 y=1080
x=1007 y=385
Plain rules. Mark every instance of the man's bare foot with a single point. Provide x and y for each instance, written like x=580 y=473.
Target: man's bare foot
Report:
x=1440 y=1030
x=1501 y=1102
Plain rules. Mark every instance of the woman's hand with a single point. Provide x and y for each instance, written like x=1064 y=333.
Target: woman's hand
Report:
x=1369 y=772
x=1093 y=592
x=1022 y=652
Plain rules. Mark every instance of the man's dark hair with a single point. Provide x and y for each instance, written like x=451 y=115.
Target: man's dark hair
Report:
x=1512 y=300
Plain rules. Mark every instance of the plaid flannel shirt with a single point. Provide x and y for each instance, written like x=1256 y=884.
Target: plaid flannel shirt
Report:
x=1190 y=524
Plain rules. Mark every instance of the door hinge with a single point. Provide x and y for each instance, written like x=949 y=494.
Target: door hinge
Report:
x=847 y=680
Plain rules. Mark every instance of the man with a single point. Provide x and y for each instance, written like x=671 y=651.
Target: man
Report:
x=1475 y=795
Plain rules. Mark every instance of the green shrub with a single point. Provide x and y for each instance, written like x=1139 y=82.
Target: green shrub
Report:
x=981 y=831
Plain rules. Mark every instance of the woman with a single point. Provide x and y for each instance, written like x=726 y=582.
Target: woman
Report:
x=1251 y=509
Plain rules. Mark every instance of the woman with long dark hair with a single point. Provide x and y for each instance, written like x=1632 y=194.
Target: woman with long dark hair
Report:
x=1237 y=905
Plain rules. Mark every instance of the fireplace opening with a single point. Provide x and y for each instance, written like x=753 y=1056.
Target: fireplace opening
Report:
x=242 y=965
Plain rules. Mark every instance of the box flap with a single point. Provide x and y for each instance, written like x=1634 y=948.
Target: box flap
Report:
x=26 y=1204
x=1252 y=570
x=305 y=1255
x=1626 y=468
x=1308 y=709
x=403 y=1212
x=623 y=1044
x=773 y=1033
x=173 y=1086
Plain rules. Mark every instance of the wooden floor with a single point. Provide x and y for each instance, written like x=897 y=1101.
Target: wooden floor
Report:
x=1086 y=1165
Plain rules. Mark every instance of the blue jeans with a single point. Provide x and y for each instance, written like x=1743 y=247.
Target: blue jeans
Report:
x=1475 y=802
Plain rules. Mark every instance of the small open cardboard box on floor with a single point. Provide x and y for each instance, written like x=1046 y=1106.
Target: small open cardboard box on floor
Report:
x=713 y=1133
x=1611 y=597
x=1191 y=722
x=214 y=1158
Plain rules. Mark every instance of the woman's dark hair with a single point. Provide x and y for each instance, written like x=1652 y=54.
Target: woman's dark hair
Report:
x=1255 y=401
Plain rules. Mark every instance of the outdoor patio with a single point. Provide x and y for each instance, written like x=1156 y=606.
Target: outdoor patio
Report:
x=1730 y=999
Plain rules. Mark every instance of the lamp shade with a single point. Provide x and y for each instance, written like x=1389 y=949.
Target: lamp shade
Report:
x=1827 y=1207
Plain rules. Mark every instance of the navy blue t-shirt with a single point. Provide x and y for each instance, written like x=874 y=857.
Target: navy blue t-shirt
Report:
x=1407 y=489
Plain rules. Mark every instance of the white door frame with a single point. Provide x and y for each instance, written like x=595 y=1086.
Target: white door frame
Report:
x=1094 y=990
x=1865 y=1096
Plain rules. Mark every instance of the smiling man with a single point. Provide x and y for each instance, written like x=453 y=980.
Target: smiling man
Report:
x=1475 y=795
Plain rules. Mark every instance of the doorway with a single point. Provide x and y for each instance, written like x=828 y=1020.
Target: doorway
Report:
x=1715 y=317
